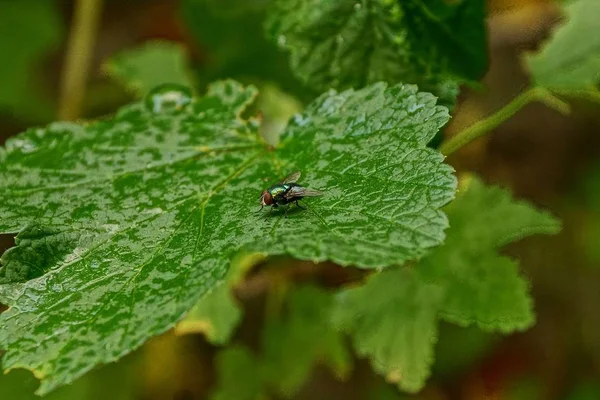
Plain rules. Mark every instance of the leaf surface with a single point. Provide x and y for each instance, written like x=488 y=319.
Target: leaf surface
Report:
x=154 y=205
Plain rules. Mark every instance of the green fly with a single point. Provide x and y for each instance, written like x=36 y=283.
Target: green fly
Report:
x=285 y=192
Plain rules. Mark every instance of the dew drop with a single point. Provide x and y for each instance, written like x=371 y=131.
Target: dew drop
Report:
x=414 y=107
x=168 y=98
x=281 y=40
x=57 y=287
x=94 y=264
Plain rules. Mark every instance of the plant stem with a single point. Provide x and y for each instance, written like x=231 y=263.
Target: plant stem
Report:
x=592 y=95
x=482 y=127
x=78 y=57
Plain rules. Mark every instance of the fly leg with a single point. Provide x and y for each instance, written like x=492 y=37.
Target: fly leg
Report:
x=287 y=209
x=299 y=206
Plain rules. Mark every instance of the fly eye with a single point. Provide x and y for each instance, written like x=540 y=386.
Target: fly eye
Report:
x=266 y=198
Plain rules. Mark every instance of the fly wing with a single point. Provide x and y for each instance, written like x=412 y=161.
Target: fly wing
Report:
x=299 y=191
x=292 y=178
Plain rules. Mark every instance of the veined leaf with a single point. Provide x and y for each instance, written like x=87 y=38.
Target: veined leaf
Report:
x=153 y=64
x=571 y=59
x=155 y=202
x=482 y=286
x=393 y=320
x=393 y=317
x=350 y=43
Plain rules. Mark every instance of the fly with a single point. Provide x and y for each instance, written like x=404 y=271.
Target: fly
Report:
x=286 y=192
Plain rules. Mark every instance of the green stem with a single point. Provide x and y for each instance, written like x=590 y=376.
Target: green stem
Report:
x=592 y=95
x=482 y=127
x=78 y=57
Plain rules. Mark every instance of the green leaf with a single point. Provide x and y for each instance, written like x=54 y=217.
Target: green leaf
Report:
x=393 y=321
x=481 y=286
x=29 y=31
x=153 y=64
x=158 y=202
x=571 y=59
x=239 y=377
x=292 y=345
x=217 y=314
x=349 y=43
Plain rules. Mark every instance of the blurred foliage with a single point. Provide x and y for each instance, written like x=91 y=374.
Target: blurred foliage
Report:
x=590 y=235
x=117 y=381
x=232 y=42
x=291 y=344
x=239 y=377
x=460 y=347
x=481 y=286
x=571 y=60
x=437 y=44
x=393 y=321
x=153 y=64
x=217 y=313
x=29 y=32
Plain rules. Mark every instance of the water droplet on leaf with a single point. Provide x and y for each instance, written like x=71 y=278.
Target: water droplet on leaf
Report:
x=56 y=287
x=168 y=98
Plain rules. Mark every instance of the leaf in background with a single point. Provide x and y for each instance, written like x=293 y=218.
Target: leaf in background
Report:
x=393 y=320
x=294 y=344
x=168 y=197
x=29 y=31
x=571 y=59
x=350 y=43
x=217 y=314
x=116 y=381
x=239 y=375
x=153 y=64
x=232 y=44
x=482 y=286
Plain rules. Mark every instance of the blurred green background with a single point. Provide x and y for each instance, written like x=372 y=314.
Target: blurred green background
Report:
x=549 y=159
